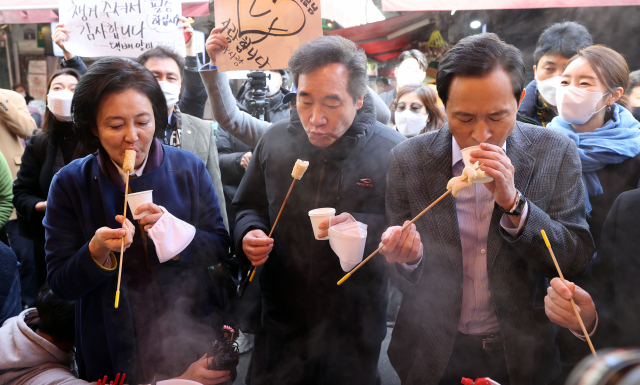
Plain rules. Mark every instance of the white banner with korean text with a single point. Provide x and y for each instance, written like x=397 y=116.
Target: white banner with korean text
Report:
x=121 y=27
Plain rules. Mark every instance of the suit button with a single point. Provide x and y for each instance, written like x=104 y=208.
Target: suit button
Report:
x=304 y=356
x=483 y=251
x=189 y=132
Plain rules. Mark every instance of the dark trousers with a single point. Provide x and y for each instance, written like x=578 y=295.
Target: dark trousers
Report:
x=469 y=359
x=24 y=251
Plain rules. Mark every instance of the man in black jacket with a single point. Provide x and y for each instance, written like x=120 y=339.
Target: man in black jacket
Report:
x=316 y=331
x=611 y=316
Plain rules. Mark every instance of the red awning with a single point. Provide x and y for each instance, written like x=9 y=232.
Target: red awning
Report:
x=467 y=5
x=41 y=11
x=385 y=40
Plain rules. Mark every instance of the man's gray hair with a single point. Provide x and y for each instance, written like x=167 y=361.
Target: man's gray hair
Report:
x=327 y=50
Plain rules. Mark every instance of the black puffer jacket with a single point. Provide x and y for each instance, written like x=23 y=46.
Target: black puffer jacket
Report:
x=319 y=332
x=230 y=153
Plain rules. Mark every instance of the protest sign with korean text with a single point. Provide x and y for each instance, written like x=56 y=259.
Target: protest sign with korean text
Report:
x=263 y=34
x=121 y=27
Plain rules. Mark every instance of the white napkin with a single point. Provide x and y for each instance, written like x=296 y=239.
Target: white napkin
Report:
x=347 y=240
x=170 y=235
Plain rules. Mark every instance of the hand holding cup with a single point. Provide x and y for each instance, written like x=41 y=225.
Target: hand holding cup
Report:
x=324 y=225
x=154 y=213
x=497 y=165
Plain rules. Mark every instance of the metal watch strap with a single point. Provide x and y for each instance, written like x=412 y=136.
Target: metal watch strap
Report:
x=518 y=206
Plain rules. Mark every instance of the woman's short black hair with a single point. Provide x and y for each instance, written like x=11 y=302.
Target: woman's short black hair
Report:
x=113 y=75
x=566 y=39
x=478 y=56
x=57 y=316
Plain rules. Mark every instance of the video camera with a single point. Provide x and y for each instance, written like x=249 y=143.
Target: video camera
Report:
x=258 y=106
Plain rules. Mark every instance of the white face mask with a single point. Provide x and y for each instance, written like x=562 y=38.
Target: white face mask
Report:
x=59 y=103
x=171 y=92
x=410 y=123
x=577 y=106
x=547 y=89
x=273 y=83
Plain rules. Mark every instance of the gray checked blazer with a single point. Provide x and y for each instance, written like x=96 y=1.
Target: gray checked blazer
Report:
x=548 y=173
x=198 y=137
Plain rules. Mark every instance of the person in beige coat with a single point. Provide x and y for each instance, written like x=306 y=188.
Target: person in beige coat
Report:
x=15 y=122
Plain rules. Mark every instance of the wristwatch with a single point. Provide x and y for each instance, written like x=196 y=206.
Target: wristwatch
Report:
x=517 y=207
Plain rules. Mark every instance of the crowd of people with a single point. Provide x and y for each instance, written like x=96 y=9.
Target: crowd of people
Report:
x=469 y=287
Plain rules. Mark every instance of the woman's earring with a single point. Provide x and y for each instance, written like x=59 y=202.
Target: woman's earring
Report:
x=609 y=108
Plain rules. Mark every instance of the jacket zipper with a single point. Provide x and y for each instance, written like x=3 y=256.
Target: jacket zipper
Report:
x=324 y=166
x=338 y=193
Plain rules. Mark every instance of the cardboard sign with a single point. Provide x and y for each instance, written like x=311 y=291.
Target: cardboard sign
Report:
x=263 y=34
x=121 y=27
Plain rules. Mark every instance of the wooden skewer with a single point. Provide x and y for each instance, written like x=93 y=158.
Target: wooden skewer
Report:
x=575 y=309
x=253 y=268
x=126 y=192
x=403 y=228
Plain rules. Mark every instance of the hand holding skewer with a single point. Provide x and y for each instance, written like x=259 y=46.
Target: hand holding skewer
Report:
x=255 y=245
x=128 y=166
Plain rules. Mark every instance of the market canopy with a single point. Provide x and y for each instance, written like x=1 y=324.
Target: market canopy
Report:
x=41 y=11
x=468 y=5
x=385 y=40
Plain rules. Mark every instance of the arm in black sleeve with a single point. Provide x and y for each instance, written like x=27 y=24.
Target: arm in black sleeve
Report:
x=75 y=63
x=229 y=158
x=26 y=188
x=194 y=95
x=251 y=203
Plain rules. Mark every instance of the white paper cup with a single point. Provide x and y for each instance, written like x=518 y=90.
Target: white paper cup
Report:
x=466 y=155
x=349 y=248
x=318 y=216
x=137 y=199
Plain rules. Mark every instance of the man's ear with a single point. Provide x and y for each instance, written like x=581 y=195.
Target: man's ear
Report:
x=534 y=73
x=359 y=102
x=524 y=93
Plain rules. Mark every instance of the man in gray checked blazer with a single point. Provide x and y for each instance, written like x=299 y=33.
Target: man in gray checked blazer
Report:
x=474 y=270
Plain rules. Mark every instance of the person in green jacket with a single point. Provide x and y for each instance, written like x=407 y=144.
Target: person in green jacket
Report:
x=6 y=192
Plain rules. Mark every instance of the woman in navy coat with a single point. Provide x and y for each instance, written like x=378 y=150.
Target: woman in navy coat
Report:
x=168 y=310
